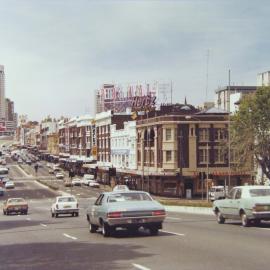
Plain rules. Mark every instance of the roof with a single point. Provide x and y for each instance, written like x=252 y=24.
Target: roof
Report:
x=237 y=88
x=213 y=110
x=255 y=186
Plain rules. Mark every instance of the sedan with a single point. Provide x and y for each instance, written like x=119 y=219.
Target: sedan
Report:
x=9 y=185
x=245 y=203
x=59 y=175
x=94 y=184
x=129 y=209
x=65 y=205
x=15 y=205
x=76 y=182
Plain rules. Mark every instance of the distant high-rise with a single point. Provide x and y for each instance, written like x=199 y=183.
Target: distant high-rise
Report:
x=263 y=79
x=2 y=93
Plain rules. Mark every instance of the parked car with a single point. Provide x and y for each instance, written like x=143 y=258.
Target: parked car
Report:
x=15 y=205
x=2 y=191
x=93 y=183
x=28 y=161
x=128 y=209
x=65 y=205
x=59 y=175
x=87 y=178
x=20 y=161
x=245 y=203
x=68 y=183
x=51 y=171
x=9 y=185
x=77 y=182
x=217 y=193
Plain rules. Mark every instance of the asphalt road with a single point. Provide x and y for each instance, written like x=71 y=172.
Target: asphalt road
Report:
x=38 y=241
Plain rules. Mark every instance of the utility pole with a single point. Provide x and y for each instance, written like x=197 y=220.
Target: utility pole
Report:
x=229 y=127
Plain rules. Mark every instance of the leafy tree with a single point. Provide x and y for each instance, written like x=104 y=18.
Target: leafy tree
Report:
x=250 y=129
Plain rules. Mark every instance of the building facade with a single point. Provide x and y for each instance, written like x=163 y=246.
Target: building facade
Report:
x=2 y=93
x=263 y=79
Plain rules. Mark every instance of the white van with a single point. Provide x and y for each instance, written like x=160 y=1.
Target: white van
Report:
x=87 y=178
x=217 y=193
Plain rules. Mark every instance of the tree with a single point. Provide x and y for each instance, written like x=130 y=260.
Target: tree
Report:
x=250 y=129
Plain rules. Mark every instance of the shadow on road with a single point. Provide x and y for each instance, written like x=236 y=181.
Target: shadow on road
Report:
x=68 y=256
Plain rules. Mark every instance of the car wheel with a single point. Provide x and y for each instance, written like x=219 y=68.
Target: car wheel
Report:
x=92 y=228
x=244 y=220
x=220 y=218
x=77 y=214
x=153 y=231
x=257 y=222
x=7 y=213
x=106 y=230
x=4 y=212
x=26 y=212
x=56 y=215
x=52 y=214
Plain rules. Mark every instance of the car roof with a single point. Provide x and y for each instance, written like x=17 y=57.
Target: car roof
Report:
x=66 y=196
x=125 y=191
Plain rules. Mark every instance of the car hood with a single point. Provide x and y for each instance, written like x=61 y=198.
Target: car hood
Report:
x=135 y=206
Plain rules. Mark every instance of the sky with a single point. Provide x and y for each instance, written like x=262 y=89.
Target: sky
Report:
x=57 y=53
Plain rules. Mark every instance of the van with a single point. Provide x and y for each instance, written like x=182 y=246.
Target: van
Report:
x=217 y=193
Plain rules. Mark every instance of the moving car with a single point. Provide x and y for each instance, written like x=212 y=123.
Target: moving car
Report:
x=245 y=203
x=15 y=205
x=9 y=185
x=65 y=205
x=93 y=183
x=76 y=182
x=87 y=178
x=127 y=209
x=59 y=175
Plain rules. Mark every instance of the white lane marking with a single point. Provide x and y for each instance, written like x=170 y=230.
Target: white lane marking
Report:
x=69 y=236
x=174 y=218
x=28 y=219
x=138 y=266
x=23 y=172
x=179 y=234
x=78 y=194
x=43 y=225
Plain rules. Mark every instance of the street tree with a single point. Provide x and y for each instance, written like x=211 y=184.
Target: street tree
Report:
x=250 y=130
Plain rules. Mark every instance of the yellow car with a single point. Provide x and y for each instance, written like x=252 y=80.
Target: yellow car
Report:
x=15 y=205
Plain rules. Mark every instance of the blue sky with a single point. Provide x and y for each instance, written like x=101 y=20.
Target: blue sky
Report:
x=56 y=53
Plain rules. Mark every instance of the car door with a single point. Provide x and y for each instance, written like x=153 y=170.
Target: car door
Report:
x=236 y=203
x=94 y=210
x=227 y=204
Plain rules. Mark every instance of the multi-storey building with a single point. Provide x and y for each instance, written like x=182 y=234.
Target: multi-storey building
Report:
x=236 y=93
x=48 y=127
x=263 y=79
x=124 y=147
x=2 y=94
x=178 y=144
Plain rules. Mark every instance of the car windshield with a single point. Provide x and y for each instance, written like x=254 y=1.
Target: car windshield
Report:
x=66 y=199
x=259 y=192
x=121 y=197
x=17 y=200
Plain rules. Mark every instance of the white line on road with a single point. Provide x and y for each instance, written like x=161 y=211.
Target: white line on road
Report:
x=28 y=219
x=69 y=236
x=179 y=234
x=43 y=225
x=138 y=266
x=23 y=172
x=174 y=218
x=267 y=229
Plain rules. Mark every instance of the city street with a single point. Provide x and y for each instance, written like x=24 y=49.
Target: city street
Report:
x=38 y=241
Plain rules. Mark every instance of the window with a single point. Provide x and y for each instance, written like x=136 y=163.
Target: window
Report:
x=220 y=134
x=219 y=155
x=203 y=134
x=238 y=194
x=168 y=134
x=203 y=157
x=168 y=156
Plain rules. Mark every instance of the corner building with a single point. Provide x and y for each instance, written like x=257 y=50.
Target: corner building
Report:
x=178 y=144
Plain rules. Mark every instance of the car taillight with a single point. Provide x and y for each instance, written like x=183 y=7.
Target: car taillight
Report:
x=115 y=215
x=56 y=206
x=158 y=213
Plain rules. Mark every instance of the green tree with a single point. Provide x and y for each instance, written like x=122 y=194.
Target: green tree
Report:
x=250 y=129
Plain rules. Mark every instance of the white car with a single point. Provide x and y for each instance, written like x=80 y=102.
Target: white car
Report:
x=93 y=183
x=87 y=178
x=77 y=182
x=65 y=205
x=59 y=175
x=9 y=184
